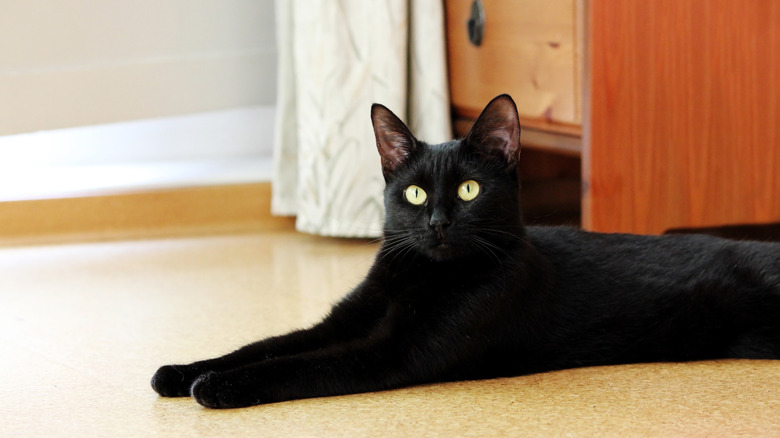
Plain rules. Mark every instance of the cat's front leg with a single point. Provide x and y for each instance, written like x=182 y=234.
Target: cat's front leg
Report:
x=345 y=369
x=353 y=317
x=229 y=390
x=176 y=380
x=397 y=353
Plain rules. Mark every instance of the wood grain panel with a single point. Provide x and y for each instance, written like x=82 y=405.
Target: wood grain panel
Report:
x=529 y=50
x=684 y=114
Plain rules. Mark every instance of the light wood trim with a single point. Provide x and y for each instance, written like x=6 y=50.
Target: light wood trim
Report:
x=174 y=212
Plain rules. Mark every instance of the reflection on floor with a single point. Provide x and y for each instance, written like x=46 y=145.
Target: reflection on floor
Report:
x=84 y=326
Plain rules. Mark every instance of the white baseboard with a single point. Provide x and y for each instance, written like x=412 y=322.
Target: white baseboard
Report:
x=224 y=147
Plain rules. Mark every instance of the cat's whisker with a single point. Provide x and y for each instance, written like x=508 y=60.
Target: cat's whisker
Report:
x=487 y=247
x=391 y=241
x=372 y=243
x=398 y=245
x=500 y=233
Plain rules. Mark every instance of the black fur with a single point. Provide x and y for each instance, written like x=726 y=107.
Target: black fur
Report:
x=462 y=290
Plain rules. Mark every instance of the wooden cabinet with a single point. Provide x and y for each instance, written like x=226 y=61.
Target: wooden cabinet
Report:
x=684 y=126
x=676 y=103
x=529 y=50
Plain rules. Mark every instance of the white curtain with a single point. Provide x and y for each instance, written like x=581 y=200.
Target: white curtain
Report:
x=336 y=58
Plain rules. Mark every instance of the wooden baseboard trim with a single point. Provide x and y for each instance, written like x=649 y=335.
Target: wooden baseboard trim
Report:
x=159 y=213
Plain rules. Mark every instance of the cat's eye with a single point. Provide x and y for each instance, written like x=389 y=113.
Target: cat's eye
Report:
x=468 y=190
x=415 y=195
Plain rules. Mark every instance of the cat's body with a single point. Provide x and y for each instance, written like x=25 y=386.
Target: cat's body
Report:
x=460 y=289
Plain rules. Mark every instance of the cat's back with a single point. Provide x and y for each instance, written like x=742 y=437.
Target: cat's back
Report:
x=667 y=258
x=618 y=298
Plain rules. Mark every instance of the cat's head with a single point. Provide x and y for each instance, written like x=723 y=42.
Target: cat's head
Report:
x=454 y=199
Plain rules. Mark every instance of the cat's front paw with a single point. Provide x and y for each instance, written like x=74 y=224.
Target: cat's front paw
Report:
x=223 y=391
x=174 y=380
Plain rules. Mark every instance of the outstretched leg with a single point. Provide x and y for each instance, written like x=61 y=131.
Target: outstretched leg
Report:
x=176 y=380
x=359 y=366
x=397 y=353
x=352 y=318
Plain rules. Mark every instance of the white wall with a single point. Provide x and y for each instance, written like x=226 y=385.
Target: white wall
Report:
x=66 y=63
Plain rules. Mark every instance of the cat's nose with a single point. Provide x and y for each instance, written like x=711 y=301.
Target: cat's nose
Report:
x=439 y=223
x=439 y=220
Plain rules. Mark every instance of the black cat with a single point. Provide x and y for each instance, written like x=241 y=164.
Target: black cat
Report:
x=460 y=289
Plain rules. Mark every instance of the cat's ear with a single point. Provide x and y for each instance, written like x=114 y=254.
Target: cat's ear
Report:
x=497 y=130
x=393 y=139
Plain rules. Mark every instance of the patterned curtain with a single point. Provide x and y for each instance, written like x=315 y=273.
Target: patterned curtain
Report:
x=336 y=58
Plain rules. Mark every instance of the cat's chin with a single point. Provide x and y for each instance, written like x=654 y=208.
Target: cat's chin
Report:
x=443 y=252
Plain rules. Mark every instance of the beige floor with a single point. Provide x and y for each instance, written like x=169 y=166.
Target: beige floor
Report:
x=83 y=327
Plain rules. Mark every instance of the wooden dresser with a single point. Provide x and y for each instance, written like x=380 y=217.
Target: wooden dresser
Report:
x=670 y=107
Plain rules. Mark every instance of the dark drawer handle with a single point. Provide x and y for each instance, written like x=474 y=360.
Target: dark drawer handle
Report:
x=476 y=23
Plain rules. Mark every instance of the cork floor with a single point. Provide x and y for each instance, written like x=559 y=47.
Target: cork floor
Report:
x=84 y=326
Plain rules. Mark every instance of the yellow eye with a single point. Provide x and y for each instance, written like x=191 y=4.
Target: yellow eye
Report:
x=468 y=190
x=415 y=195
